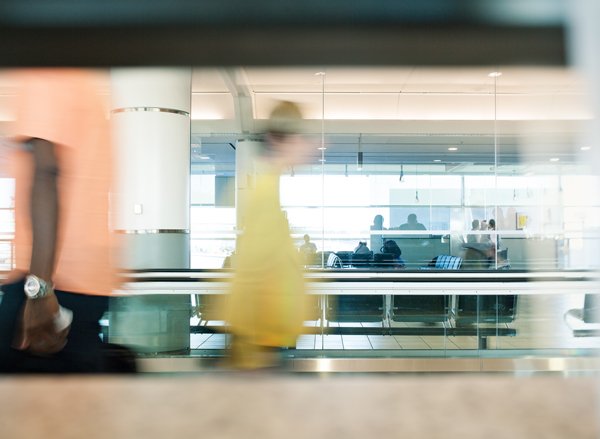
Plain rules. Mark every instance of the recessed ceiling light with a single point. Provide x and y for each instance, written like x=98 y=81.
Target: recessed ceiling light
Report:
x=437 y=160
x=586 y=148
x=453 y=148
x=322 y=148
x=554 y=159
x=495 y=74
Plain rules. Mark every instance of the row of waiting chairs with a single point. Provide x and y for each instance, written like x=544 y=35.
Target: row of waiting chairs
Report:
x=357 y=260
x=424 y=308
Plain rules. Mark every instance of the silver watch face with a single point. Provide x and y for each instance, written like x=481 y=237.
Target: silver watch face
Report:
x=32 y=286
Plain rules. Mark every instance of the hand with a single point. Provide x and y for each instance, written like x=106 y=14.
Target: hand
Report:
x=38 y=333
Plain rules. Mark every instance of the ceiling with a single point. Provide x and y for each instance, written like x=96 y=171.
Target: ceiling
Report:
x=396 y=116
x=400 y=116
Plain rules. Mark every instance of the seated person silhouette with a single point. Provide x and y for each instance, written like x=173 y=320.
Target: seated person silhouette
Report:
x=412 y=223
x=362 y=256
x=477 y=255
x=390 y=256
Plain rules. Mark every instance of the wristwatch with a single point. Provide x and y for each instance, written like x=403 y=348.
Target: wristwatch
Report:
x=36 y=288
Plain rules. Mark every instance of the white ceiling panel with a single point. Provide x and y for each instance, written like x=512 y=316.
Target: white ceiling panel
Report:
x=212 y=106
x=361 y=106
x=208 y=81
x=283 y=79
x=542 y=107
x=445 y=107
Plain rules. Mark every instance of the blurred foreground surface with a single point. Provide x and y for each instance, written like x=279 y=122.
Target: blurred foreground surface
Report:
x=251 y=404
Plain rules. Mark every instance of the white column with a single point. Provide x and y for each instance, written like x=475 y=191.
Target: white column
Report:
x=151 y=121
x=150 y=112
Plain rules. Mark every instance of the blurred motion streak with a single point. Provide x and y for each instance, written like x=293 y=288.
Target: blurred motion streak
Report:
x=267 y=304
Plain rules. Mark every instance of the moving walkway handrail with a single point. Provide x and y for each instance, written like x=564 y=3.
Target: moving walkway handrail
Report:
x=337 y=282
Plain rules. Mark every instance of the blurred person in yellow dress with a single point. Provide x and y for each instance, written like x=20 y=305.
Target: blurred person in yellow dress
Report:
x=267 y=302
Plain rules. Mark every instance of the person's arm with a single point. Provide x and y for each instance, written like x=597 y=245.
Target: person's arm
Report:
x=39 y=334
x=44 y=208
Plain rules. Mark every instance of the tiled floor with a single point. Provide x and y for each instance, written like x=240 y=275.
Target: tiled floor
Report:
x=540 y=324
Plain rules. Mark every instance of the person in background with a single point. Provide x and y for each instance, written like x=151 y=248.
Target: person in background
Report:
x=377 y=223
x=377 y=240
x=472 y=237
x=49 y=315
x=483 y=225
x=493 y=237
x=412 y=223
x=266 y=305
x=308 y=250
x=391 y=247
x=362 y=248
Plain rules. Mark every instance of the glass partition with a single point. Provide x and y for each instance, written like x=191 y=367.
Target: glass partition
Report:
x=465 y=170
x=448 y=147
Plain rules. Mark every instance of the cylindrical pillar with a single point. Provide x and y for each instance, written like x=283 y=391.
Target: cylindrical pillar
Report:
x=150 y=112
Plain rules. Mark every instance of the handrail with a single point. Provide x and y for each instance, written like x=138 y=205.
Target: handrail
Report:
x=338 y=282
x=341 y=282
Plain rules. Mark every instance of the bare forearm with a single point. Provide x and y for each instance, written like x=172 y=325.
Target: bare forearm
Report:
x=44 y=209
x=38 y=332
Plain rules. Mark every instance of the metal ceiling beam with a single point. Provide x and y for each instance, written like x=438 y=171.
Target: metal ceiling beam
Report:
x=238 y=85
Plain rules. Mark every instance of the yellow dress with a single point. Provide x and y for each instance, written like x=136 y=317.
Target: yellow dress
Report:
x=266 y=306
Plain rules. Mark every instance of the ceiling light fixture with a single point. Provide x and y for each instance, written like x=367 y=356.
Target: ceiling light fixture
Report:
x=453 y=148
x=437 y=160
x=494 y=74
x=554 y=159
x=586 y=148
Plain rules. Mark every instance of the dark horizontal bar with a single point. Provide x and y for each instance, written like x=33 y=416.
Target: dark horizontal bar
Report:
x=263 y=12
x=429 y=276
x=470 y=330
x=311 y=43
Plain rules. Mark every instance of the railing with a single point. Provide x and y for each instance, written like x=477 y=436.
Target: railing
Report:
x=467 y=303
x=344 y=282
